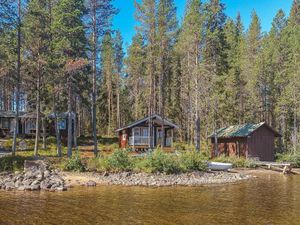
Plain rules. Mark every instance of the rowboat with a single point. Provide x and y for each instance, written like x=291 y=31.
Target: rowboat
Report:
x=219 y=166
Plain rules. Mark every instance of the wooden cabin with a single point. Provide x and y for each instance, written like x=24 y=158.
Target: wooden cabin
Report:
x=27 y=123
x=147 y=133
x=247 y=140
x=7 y=119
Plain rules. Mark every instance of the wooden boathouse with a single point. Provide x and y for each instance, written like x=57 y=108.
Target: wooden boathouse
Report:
x=247 y=140
x=147 y=133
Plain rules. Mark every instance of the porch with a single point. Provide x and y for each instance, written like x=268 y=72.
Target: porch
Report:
x=146 y=141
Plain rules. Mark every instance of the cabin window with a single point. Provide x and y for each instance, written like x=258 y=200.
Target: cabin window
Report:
x=62 y=125
x=136 y=131
x=31 y=125
x=5 y=123
x=169 y=133
x=145 y=132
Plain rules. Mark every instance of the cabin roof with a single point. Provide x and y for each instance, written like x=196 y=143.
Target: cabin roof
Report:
x=9 y=114
x=146 y=119
x=243 y=130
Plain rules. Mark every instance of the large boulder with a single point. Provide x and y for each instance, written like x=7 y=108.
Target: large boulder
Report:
x=37 y=175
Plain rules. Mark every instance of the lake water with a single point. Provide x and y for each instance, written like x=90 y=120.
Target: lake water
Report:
x=269 y=199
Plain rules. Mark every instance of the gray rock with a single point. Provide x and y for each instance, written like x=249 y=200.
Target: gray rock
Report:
x=36 y=182
x=47 y=173
x=9 y=186
x=91 y=183
x=21 y=188
x=35 y=187
x=35 y=165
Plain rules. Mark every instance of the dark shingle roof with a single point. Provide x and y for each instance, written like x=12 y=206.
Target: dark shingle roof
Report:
x=243 y=130
x=9 y=114
x=146 y=119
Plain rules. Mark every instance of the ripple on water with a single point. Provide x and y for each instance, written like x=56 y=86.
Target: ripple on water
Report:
x=270 y=199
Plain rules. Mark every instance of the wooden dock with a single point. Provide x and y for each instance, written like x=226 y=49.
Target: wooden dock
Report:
x=285 y=168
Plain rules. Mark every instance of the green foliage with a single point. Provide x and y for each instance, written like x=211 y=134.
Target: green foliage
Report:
x=294 y=159
x=159 y=161
x=238 y=162
x=119 y=160
x=193 y=160
x=11 y=163
x=74 y=164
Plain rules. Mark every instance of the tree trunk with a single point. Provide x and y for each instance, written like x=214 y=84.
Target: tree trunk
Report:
x=38 y=113
x=75 y=133
x=70 y=125
x=44 y=133
x=216 y=150
x=197 y=138
x=94 y=95
x=57 y=134
x=16 y=128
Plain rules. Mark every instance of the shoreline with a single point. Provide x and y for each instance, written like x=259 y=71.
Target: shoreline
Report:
x=190 y=179
x=56 y=180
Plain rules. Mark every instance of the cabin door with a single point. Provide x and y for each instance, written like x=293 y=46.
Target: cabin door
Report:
x=158 y=136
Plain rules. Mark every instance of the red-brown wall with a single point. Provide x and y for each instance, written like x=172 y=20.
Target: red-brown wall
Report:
x=261 y=144
x=231 y=146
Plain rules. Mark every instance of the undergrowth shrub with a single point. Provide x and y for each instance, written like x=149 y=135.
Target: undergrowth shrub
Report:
x=11 y=163
x=74 y=164
x=119 y=160
x=158 y=161
x=294 y=159
x=193 y=160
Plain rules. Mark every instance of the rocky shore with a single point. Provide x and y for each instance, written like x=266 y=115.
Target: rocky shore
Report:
x=37 y=175
x=154 y=180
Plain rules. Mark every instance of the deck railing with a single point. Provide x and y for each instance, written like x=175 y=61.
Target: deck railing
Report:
x=139 y=140
x=144 y=140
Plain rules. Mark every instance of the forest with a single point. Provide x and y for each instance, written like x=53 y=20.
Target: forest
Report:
x=204 y=71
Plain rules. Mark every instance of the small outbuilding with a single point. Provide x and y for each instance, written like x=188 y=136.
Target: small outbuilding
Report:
x=247 y=140
x=147 y=133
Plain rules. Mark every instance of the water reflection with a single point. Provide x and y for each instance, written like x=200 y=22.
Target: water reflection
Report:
x=271 y=199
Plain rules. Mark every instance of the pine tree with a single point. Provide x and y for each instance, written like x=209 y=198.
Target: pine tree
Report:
x=293 y=88
x=136 y=76
x=69 y=45
x=100 y=14
x=37 y=34
x=119 y=56
x=251 y=71
x=166 y=31
x=146 y=16
x=189 y=48
x=234 y=82
x=108 y=82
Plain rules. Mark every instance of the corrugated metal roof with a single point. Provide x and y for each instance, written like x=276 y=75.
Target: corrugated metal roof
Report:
x=238 y=130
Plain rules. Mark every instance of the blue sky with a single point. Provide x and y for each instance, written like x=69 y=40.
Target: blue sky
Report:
x=266 y=10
